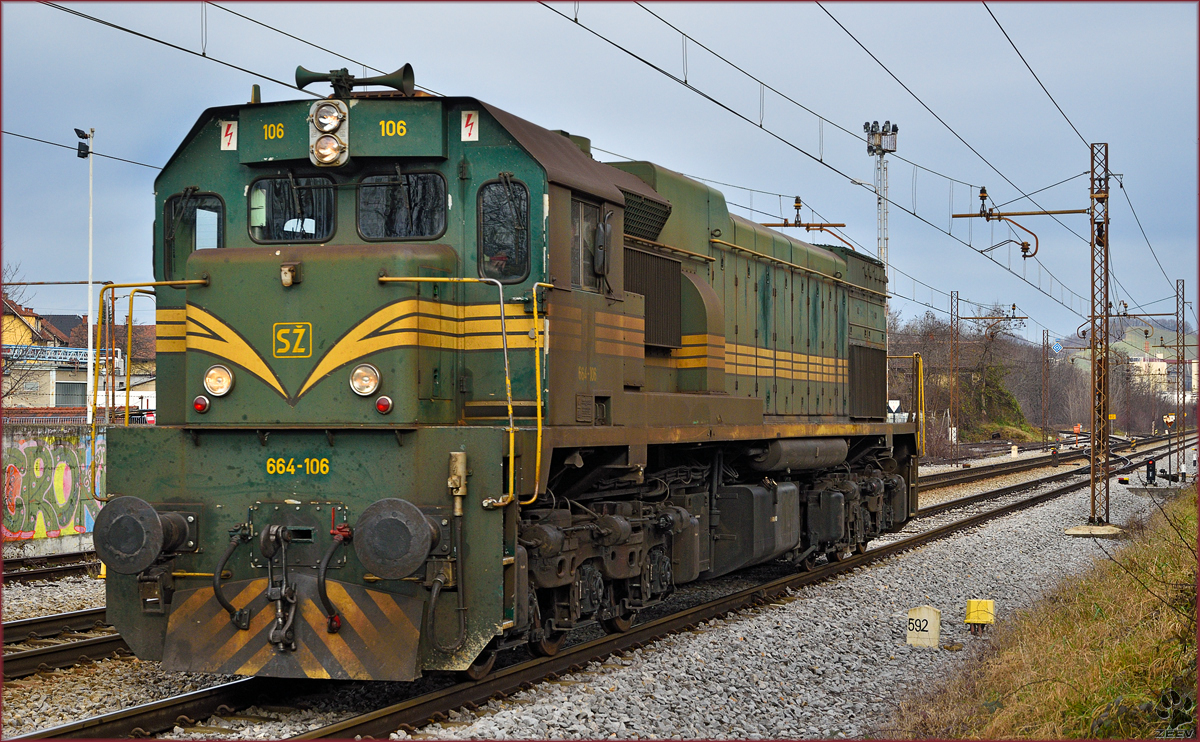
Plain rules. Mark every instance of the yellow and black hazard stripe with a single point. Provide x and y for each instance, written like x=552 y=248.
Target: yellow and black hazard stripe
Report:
x=379 y=638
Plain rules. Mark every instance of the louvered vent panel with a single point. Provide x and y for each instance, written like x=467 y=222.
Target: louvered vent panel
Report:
x=656 y=278
x=868 y=382
x=644 y=218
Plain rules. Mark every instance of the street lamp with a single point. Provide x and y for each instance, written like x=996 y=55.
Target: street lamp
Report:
x=85 y=150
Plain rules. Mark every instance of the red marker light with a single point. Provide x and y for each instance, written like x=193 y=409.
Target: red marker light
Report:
x=200 y=404
x=383 y=405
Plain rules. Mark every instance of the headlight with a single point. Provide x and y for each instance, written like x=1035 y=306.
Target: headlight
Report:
x=218 y=380
x=327 y=118
x=327 y=149
x=364 y=379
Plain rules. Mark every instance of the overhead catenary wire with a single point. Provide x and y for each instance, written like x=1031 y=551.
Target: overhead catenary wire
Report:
x=1085 y=142
x=1121 y=183
x=766 y=86
x=74 y=149
x=130 y=31
x=1035 y=77
x=364 y=65
x=817 y=160
x=942 y=121
x=894 y=290
x=1045 y=188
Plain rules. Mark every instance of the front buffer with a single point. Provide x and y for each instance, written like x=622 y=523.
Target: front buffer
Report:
x=307 y=553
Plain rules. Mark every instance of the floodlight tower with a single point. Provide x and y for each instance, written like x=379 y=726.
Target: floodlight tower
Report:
x=880 y=141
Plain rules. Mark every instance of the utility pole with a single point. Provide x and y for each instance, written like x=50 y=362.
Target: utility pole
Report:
x=1099 y=320
x=953 y=407
x=1045 y=385
x=85 y=150
x=1181 y=368
x=1098 y=317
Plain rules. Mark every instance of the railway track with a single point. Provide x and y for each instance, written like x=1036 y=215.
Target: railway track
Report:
x=28 y=569
x=974 y=474
x=435 y=706
x=61 y=640
x=959 y=502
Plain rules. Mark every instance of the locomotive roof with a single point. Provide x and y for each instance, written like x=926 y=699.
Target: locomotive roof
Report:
x=565 y=163
x=568 y=165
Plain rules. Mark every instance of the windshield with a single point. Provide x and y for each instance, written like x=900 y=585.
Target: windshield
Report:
x=292 y=209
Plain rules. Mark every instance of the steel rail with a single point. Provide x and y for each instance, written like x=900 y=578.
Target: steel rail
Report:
x=157 y=716
x=50 y=567
x=41 y=627
x=959 y=502
x=24 y=662
x=953 y=478
x=420 y=710
x=161 y=715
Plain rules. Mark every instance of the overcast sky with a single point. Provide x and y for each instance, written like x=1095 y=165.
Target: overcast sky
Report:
x=1124 y=73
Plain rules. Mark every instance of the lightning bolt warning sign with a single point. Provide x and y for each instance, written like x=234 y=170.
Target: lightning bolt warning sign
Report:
x=470 y=126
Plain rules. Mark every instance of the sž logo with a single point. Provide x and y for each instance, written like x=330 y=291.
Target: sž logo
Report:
x=292 y=339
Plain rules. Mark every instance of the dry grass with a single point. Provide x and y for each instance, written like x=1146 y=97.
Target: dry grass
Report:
x=1090 y=660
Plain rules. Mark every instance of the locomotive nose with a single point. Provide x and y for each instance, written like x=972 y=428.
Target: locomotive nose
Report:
x=393 y=538
x=129 y=534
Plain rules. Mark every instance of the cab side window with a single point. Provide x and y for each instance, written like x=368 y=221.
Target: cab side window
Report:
x=191 y=221
x=504 y=230
x=584 y=219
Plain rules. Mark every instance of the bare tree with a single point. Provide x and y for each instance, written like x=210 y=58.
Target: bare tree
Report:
x=20 y=365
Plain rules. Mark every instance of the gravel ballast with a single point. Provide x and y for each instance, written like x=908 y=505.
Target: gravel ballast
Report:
x=63 y=696
x=827 y=660
x=830 y=661
x=43 y=598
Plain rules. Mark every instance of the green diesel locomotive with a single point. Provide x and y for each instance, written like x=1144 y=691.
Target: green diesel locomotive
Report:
x=434 y=382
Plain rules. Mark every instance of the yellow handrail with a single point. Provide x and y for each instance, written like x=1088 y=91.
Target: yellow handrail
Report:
x=918 y=394
x=508 y=498
x=129 y=348
x=96 y=375
x=537 y=372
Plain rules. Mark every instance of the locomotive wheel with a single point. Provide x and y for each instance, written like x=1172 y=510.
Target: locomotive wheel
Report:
x=809 y=563
x=860 y=548
x=618 y=624
x=838 y=556
x=482 y=665
x=548 y=645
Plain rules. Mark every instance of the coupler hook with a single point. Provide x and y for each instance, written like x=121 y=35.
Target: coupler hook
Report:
x=283 y=594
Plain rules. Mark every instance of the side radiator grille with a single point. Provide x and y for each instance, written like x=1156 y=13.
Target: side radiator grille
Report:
x=658 y=279
x=868 y=382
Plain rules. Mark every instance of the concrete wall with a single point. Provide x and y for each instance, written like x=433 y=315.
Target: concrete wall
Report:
x=48 y=504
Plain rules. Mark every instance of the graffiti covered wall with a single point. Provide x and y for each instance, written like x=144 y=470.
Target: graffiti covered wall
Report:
x=46 y=489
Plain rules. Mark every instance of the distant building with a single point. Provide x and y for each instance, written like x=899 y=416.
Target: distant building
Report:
x=45 y=364
x=1152 y=360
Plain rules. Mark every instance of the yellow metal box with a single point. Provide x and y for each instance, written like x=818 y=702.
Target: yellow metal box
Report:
x=981 y=611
